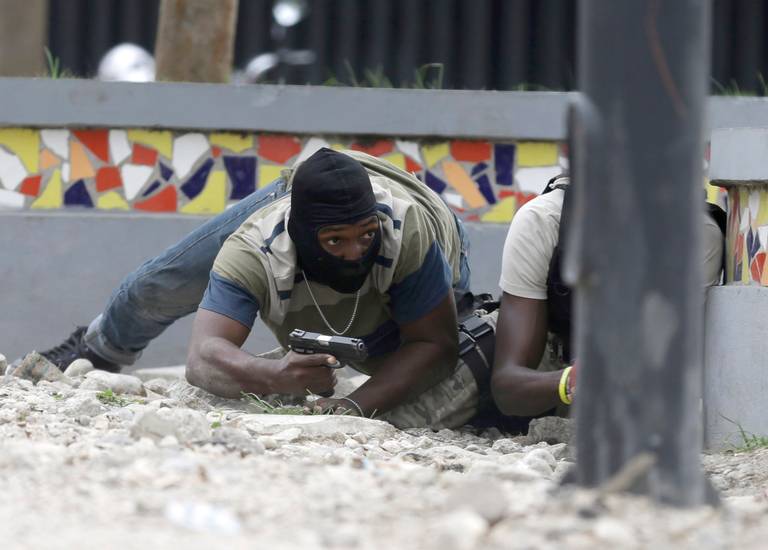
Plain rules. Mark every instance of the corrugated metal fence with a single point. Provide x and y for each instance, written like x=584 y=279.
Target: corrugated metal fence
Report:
x=482 y=44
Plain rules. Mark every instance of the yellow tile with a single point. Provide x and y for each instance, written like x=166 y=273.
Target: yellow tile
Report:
x=502 y=211
x=51 y=197
x=24 y=143
x=213 y=198
x=762 y=212
x=398 y=159
x=713 y=192
x=237 y=143
x=536 y=153
x=268 y=174
x=111 y=201
x=160 y=140
x=338 y=147
x=459 y=179
x=434 y=153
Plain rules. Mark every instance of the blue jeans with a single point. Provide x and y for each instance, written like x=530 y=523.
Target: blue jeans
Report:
x=171 y=285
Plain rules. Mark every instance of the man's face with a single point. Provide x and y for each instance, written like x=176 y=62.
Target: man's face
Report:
x=349 y=241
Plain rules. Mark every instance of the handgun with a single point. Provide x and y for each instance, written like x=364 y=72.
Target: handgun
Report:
x=345 y=350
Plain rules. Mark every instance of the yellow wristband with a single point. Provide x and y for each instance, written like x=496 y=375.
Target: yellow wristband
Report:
x=563 y=387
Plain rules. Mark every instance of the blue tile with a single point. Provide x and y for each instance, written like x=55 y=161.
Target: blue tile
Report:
x=196 y=183
x=165 y=172
x=485 y=187
x=436 y=184
x=504 y=162
x=77 y=195
x=753 y=244
x=477 y=168
x=242 y=175
x=151 y=188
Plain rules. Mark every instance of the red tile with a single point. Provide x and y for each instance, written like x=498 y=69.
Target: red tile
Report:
x=411 y=165
x=756 y=269
x=143 y=155
x=381 y=147
x=216 y=151
x=96 y=140
x=164 y=201
x=31 y=186
x=470 y=151
x=473 y=218
x=108 y=177
x=279 y=149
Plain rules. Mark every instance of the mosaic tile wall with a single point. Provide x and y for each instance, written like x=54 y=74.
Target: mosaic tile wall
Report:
x=197 y=173
x=747 y=243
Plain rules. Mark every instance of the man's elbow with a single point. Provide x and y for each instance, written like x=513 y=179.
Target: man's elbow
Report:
x=505 y=391
x=194 y=368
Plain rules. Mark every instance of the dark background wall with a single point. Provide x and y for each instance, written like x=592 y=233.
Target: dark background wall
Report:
x=482 y=44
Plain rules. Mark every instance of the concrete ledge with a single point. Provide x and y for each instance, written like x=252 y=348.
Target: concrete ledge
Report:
x=736 y=365
x=59 y=270
x=291 y=109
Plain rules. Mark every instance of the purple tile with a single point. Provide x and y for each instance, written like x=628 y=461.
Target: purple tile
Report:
x=196 y=182
x=151 y=189
x=242 y=174
x=436 y=184
x=753 y=244
x=165 y=172
x=504 y=162
x=479 y=168
x=77 y=195
x=484 y=185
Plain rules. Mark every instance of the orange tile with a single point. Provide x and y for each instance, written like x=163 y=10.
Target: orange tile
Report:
x=108 y=177
x=279 y=149
x=470 y=151
x=81 y=166
x=164 y=201
x=461 y=182
x=381 y=147
x=143 y=155
x=48 y=160
x=96 y=140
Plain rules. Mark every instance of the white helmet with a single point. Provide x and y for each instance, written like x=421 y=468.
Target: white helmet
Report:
x=127 y=62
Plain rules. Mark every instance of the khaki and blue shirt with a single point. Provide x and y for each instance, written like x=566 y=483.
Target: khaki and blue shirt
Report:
x=255 y=272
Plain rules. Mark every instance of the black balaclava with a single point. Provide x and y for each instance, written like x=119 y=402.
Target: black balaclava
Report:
x=331 y=188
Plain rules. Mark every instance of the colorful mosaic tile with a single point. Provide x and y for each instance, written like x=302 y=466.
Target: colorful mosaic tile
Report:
x=199 y=173
x=746 y=244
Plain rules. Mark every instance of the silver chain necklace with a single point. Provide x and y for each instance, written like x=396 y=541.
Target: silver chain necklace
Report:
x=320 y=311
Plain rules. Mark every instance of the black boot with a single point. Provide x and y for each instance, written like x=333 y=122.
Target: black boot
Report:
x=73 y=348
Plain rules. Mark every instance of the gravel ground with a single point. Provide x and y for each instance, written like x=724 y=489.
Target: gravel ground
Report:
x=92 y=460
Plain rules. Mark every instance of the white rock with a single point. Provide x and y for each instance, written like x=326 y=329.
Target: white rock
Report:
x=184 y=424
x=542 y=454
x=614 y=532
x=352 y=444
x=539 y=465
x=34 y=367
x=506 y=446
x=267 y=441
x=3 y=364
x=391 y=446
x=337 y=427
x=289 y=435
x=83 y=404
x=483 y=497
x=166 y=373
x=119 y=383
x=360 y=438
x=159 y=386
x=459 y=530
x=78 y=367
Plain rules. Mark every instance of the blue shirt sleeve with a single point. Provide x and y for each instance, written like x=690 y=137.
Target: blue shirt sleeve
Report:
x=421 y=291
x=231 y=300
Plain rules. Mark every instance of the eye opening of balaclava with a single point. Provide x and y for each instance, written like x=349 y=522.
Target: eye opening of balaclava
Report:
x=331 y=188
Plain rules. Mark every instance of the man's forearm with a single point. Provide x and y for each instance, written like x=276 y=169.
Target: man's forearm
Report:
x=404 y=374
x=519 y=391
x=220 y=367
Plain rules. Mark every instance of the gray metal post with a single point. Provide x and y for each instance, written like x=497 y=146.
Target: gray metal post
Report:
x=643 y=70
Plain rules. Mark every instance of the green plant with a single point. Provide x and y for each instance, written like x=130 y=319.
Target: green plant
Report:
x=422 y=81
x=108 y=397
x=749 y=441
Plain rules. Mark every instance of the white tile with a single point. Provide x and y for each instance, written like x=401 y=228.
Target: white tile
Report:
x=762 y=232
x=453 y=199
x=12 y=171
x=134 y=178
x=187 y=150
x=65 y=172
x=119 y=147
x=311 y=147
x=745 y=222
x=11 y=200
x=410 y=148
x=534 y=180
x=57 y=141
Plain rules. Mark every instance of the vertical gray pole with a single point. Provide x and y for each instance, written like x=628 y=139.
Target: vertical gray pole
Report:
x=643 y=69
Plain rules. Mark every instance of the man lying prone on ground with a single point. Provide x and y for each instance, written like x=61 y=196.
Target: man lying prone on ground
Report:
x=345 y=244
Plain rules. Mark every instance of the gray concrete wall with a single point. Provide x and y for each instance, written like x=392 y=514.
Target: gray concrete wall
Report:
x=735 y=375
x=59 y=269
